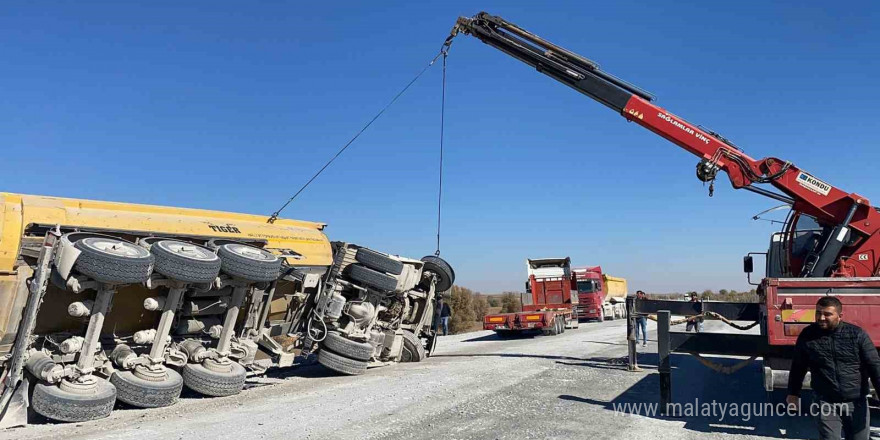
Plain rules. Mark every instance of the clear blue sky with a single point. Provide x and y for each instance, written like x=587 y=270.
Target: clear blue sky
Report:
x=233 y=105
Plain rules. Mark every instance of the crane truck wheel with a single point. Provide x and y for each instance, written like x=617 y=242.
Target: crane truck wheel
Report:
x=113 y=261
x=53 y=402
x=444 y=272
x=372 y=278
x=156 y=392
x=361 y=351
x=216 y=379
x=413 y=350
x=185 y=262
x=377 y=261
x=341 y=364
x=249 y=263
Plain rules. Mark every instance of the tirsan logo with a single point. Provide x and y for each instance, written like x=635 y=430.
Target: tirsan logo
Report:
x=813 y=184
x=231 y=229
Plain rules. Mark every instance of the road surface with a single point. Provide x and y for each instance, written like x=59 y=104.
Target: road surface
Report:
x=476 y=386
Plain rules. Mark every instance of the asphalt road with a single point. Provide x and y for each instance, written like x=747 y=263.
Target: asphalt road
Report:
x=475 y=386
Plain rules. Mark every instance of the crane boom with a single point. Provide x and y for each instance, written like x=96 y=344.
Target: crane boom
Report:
x=850 y=244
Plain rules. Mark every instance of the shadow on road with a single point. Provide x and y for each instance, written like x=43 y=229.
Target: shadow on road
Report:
x=513 y=336
x=695 y=388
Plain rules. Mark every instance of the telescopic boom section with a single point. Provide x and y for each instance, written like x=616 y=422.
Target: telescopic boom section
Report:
x=851 y=215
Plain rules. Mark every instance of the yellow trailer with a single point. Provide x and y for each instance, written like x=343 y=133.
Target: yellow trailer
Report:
x=104 y=301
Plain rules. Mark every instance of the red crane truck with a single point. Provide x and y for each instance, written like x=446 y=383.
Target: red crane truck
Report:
x=548 y=305
x=829 y=244
x=600 y=296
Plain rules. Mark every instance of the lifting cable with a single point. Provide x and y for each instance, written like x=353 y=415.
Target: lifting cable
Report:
x=442 y=116
x=442 y=53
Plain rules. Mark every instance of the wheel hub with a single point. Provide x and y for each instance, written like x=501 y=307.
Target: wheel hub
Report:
x=223 y=365
x=115 y=247
x=152 y=373
x=81 y=385
x=188 y=250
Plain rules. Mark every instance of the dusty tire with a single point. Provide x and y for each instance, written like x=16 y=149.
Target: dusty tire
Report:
x=431 y=344
x=361 y=351
x=56 y=404
x=249 y=263
x=443 y=271
x=113 y=261
x=413 y=349
x=372 y=278
x=212 y=383
x=378 y=261
x=143 y=393
x=185 y=262
x=341 y=364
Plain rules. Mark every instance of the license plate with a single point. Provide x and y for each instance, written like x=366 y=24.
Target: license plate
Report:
x=500 y=327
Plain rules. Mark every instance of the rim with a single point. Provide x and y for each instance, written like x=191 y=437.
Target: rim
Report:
x=116 y=247
x=250 y=252
x=187 y=250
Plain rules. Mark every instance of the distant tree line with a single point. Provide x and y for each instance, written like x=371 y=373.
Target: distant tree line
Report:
x=726 y=295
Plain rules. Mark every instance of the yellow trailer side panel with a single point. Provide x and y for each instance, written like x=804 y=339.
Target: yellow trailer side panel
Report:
x=616 y=287
x=19 y=211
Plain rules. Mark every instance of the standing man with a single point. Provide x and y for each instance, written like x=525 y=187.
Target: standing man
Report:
x=445 y=314
x=642 y=322
x=695 y=322
x=840 y=357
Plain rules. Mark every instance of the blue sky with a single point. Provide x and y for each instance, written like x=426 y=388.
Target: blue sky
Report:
x=232 y=106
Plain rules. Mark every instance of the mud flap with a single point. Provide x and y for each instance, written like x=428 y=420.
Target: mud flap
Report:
x=14 y=413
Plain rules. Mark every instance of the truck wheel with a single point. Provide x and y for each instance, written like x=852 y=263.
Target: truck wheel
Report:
x=249 y=263
x=562 y=326
x=431 y=344
x=185 y=261
x=341 y=364
x=66 y=406
x=112 y=261
x=210 y=382
x=337 y=343
x=377 y=261
x=144 y=393
x=601 y=315
x=443 y=271
x=413 y=350
x=370 y=277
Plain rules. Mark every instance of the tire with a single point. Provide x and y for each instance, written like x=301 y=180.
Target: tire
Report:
x=57 y=404
x=361 y=351
x=143 y=393
x=601 y=315
x=212 y=383
x=431 y=345
x=377 y=261
x=185 y=262
x=372 y=278
x=249 y=263
x=341 y=364
x=443 y=271
x=112 y=261
x=413 y=350
x=561 y=325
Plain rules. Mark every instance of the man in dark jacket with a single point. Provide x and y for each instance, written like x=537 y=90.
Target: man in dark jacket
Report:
x=841 y=358
x=445 y=313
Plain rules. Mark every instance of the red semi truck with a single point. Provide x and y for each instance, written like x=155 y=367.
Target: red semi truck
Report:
x=548 y=305
x=600 y=296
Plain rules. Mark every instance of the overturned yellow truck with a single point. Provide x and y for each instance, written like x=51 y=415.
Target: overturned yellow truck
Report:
x=103 y=302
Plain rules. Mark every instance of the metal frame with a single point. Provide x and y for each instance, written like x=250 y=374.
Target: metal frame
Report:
x=697 y=343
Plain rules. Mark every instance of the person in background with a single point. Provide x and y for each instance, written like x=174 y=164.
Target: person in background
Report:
x=642 y=322
x=445 y=314
x=841 y=358
x=695 y=323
